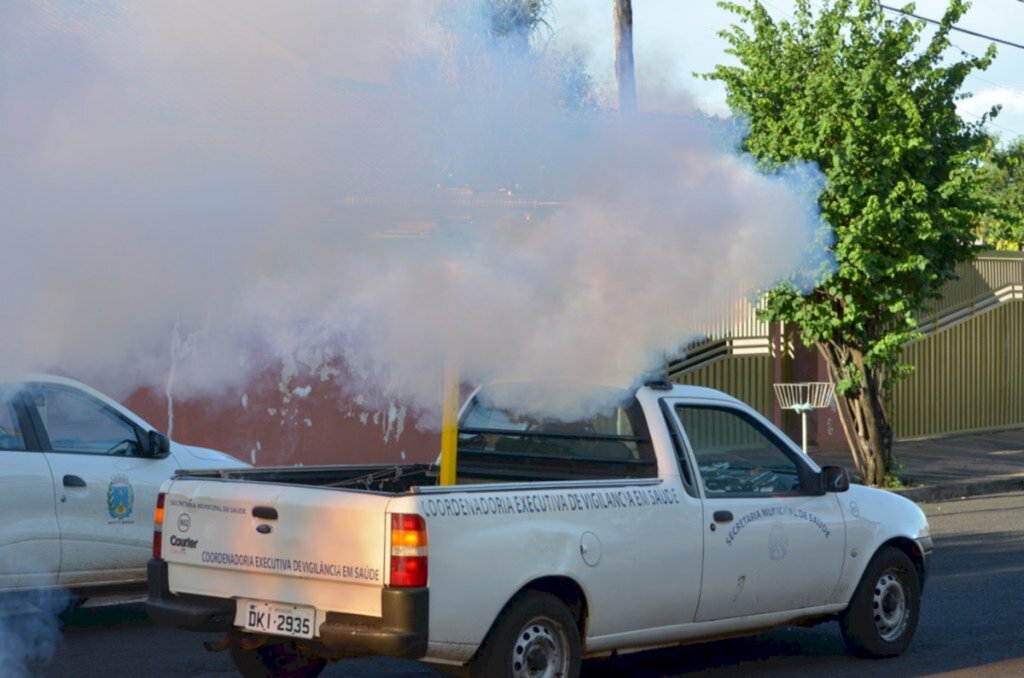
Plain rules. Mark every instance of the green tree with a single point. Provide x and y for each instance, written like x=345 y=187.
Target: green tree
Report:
x=863 y=96
x=1002 y=182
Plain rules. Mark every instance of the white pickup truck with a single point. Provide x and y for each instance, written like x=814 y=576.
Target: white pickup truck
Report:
x=80 y=477
x=678 y=516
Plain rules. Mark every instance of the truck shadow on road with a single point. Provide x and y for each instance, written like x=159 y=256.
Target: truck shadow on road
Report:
x=80 y=618
x=969 y=622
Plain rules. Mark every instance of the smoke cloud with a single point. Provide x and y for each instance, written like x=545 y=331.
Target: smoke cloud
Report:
x=30 y=629
x=381 y=181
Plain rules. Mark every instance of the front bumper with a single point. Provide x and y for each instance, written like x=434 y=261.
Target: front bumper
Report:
x=926 y=546
x=400 y=631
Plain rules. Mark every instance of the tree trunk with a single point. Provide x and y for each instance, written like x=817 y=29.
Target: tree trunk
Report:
x=872 y=442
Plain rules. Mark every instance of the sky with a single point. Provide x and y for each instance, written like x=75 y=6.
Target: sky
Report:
x=675 y=38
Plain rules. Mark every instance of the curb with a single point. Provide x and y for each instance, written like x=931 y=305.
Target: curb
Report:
x=961 y=489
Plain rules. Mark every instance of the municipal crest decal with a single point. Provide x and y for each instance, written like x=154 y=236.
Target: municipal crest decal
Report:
x=120 y=498
x=778 y=543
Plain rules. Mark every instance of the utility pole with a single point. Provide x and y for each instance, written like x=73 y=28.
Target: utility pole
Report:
x=624 y=71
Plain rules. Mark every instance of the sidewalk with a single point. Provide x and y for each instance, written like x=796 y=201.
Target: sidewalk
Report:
x=955 y=466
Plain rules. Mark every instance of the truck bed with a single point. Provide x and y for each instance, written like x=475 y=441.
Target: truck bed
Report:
x=388 y=479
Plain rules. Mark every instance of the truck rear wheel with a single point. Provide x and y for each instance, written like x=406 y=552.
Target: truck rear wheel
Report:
x=882 y=616
x=275 y=658
x=534 y=637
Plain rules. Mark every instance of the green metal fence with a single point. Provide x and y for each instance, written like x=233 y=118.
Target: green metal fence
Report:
x=968 y=376
x=747 y=377
x=969 y=366
x=983 y=283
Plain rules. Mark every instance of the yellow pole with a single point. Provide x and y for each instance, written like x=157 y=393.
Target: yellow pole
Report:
x=449 y=423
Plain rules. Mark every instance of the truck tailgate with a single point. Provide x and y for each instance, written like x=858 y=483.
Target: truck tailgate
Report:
x=276 y=543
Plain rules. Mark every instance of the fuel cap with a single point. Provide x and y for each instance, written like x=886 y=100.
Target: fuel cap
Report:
x=590 y=548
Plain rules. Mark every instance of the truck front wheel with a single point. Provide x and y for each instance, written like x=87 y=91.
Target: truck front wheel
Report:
x=882 y=616
x=273 y=659
x=534 y=637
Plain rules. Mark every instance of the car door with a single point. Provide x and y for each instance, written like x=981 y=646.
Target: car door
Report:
x=29 y=536
x=106 y=488
x=772 y=541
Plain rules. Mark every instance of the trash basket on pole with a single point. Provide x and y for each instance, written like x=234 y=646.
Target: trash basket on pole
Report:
x=803 y=397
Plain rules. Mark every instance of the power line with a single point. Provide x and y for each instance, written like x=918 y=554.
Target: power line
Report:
x=955 y=28
x=786 y=14
x=997 y=84
x=989 y=121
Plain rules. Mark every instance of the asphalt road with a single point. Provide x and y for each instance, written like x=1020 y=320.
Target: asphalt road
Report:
x=970 y=626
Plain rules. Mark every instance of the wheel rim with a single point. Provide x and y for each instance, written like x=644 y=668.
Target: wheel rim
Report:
x=890 y=609
x=540 y=650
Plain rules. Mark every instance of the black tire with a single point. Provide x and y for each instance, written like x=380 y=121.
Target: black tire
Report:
x=883 y=613
x=275 y=659
x=534 y=636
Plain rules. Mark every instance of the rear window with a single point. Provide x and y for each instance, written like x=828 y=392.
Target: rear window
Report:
x=497 y=443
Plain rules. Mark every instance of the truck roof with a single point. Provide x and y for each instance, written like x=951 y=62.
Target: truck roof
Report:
x=654 y=389
x=648 y=390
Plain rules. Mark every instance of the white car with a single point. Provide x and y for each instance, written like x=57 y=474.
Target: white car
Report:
x=78 y=487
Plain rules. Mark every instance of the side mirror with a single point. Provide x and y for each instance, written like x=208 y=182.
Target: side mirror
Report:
x=834 y=479
x=157 y=446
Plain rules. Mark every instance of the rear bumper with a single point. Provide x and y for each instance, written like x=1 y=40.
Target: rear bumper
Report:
x=400 y=631
x=185 y=611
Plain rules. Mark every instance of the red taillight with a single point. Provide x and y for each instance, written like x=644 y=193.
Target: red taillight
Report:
x=408 y=550
x=158 y=525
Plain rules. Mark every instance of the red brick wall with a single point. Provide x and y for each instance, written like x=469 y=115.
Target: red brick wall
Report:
x=266 y=423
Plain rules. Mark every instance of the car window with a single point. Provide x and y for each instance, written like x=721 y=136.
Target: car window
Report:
x=736 y=455
x=11 y=435
x=608 y=444
x=75 y=422
x=608 y=434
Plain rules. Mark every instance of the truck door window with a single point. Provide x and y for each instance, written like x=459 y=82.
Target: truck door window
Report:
x=736 y=455
x=77 y=423
x=11 y=435
x=680 y=452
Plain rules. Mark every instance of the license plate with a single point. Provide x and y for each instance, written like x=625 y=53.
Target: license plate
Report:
x=275 y=618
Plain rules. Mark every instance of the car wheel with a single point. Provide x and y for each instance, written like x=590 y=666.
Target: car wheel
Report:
x=280 y=658
x=883 y=613
x=535 y=636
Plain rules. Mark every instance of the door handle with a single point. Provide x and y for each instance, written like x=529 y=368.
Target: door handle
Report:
x=723 y=516
x=73 y=481
x=264 y=512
